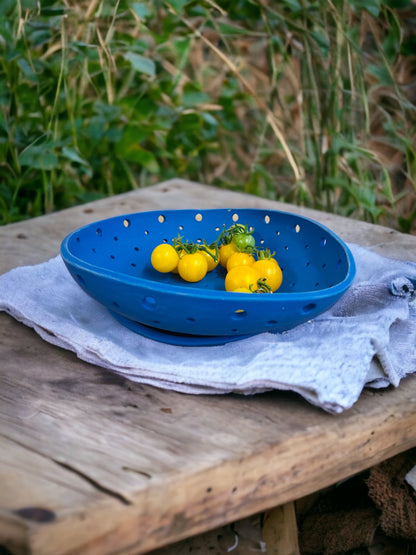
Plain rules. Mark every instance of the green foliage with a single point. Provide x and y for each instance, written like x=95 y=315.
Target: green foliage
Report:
x=305 y=102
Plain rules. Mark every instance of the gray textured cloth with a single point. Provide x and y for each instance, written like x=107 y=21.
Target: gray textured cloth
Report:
x=366 y=339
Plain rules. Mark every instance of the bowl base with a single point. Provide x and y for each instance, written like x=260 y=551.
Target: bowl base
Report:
x=173 y=338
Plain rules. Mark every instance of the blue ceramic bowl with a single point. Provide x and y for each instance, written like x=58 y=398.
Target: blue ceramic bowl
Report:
x=110 y=260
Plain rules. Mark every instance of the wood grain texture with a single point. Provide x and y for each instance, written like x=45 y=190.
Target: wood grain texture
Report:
x=280 y=530
x=91 y=463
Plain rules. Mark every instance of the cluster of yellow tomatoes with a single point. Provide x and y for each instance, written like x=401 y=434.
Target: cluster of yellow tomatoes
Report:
x=248 y=268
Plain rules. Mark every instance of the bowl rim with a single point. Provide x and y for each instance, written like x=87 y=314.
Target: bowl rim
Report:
x=203 y=293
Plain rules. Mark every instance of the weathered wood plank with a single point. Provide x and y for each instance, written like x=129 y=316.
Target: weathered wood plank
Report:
x=280 y=530
x=126 y=468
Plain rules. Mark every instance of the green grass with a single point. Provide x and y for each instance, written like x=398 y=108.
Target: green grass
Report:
x=306 y=102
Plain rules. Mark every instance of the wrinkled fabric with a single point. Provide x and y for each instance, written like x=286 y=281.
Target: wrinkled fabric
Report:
x=367 y=339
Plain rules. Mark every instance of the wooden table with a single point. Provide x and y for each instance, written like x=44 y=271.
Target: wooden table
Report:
x=92 y=463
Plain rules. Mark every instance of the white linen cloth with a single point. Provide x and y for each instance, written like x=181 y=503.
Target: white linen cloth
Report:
x=366 y=339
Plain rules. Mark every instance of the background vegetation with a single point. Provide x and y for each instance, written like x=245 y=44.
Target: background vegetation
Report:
x=309 y=102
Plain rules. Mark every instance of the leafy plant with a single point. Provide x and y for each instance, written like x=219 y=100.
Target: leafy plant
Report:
x=305 y=102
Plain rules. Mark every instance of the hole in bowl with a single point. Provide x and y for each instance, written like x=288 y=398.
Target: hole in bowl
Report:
x=235 y=217
x=267 y=219
x=238 y=314
x=136 y=249
x=271 y=322
x=115 y=238
x=308 y=308
x=181 y=227
x=126 y=222
x=198 y=217
x=149 y=303
x=112 y=256
x=297 y=228
x=146 y=232
x=190 y=319
x=323 y=242
x=99 y=232
x=161 y=218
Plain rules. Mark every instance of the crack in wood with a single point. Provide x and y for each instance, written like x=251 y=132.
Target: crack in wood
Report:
x=136 y=471
x=94 y=483
x=115 y=494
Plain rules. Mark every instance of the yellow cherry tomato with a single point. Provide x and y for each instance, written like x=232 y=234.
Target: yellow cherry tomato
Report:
x=180 y=254
x=164 y=258
x=242 y=290
x=242 y=276
x=240 y=259
x=192 y=267
x=225 y=251
x=269 y=269
x=211 y=263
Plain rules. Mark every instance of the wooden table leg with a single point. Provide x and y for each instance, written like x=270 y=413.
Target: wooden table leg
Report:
x=280 y=531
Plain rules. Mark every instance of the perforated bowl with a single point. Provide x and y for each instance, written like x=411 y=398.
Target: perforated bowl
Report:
x=110 y=260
